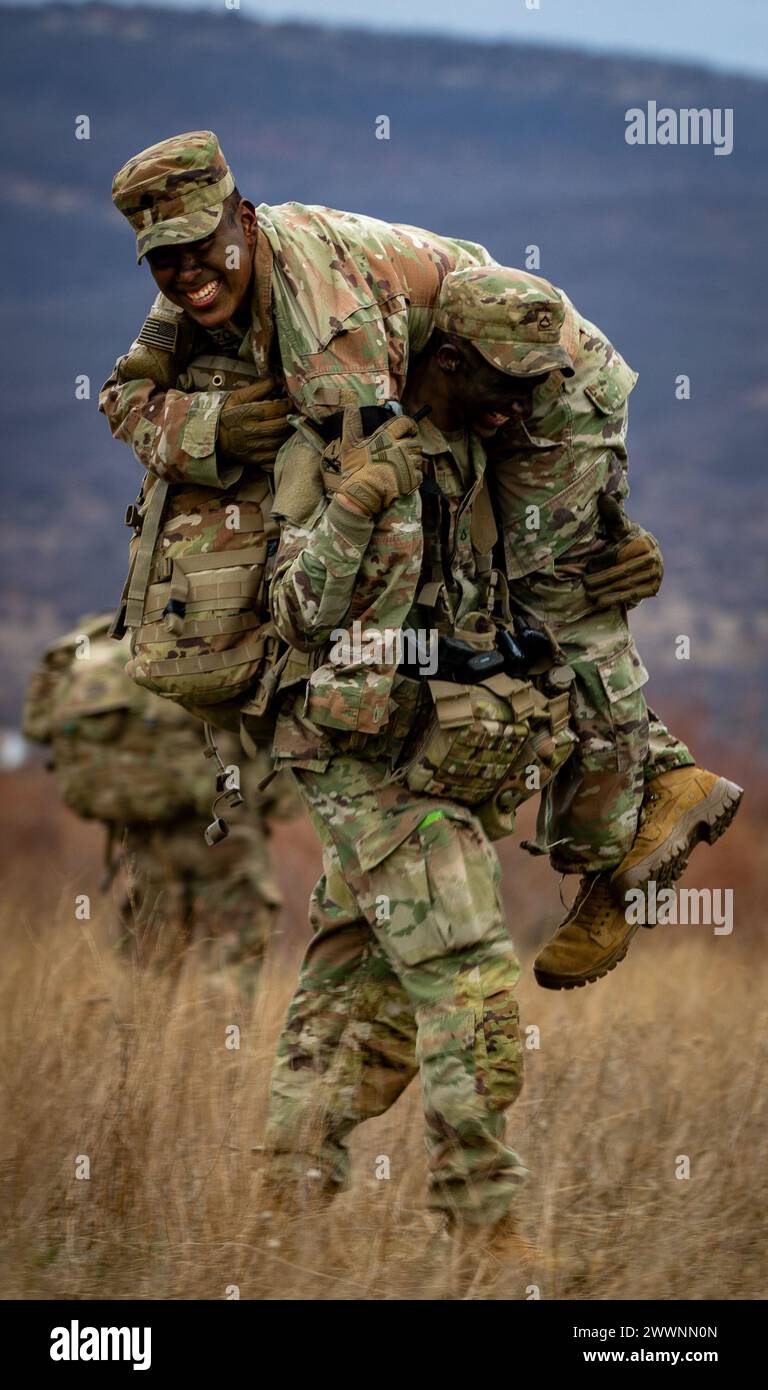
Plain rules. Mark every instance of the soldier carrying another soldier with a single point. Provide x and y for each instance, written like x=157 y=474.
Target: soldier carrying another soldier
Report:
x=411 y=964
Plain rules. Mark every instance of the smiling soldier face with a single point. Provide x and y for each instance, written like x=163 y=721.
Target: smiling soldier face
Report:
x=210 y=278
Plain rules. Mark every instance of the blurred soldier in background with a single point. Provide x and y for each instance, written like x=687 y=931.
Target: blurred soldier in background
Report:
x=136 y=762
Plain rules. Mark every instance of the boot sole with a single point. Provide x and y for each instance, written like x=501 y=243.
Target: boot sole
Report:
x=707 y=821
x=548 y=981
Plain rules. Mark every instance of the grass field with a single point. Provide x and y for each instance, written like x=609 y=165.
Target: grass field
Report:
x=664 y=1058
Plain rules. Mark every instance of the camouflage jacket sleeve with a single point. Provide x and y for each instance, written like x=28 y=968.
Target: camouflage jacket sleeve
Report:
x=345 y=580
x=316 y=573
x=351 y=298
x=172 y=433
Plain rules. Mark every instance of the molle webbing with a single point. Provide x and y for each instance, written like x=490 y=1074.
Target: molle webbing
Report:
x=454 y=705
x=202 y=631
x=150 y=568
x=559 y=711
x=138 y=577
x=253 y=649
x=241 y=581
x=483 y=738
x=154 y=630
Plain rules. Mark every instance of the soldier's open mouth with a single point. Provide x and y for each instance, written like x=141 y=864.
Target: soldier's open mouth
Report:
x=493 y=420
x=205 y=295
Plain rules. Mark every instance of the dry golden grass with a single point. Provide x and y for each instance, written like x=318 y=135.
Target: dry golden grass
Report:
x=665 y=1057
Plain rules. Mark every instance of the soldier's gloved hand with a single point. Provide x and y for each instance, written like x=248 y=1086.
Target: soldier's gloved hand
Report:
x=143 y=361
x=631 y=567
x=372 y=472
x=251 y=428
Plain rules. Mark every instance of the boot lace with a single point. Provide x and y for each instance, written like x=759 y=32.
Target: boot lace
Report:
x=594 y=901
x=647 y=817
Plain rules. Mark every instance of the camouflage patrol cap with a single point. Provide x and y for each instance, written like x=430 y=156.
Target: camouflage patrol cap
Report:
x=174 y=192
x=515 y=320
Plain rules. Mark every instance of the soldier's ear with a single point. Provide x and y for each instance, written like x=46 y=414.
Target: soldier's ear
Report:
x=449 y=358
x=246 y=212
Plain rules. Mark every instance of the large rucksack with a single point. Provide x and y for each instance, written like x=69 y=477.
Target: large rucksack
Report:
x=119 y=753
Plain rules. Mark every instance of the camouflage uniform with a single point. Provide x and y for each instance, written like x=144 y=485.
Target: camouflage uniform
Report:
x=545 y=475
x=411 y=964
x=180 y=891
x=136 y=763
x=339 y=300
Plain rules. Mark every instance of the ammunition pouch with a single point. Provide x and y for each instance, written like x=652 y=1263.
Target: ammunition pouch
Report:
x=491 y=745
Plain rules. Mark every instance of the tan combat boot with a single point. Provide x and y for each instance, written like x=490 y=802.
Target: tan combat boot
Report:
x=506 y=1244
x=491 y=1255
x=286 y=1202
x=594 y=937
x=680 y=808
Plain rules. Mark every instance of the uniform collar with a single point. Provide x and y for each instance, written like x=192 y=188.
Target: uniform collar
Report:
x=431 y=439
x=257 y=341
x=434 y=443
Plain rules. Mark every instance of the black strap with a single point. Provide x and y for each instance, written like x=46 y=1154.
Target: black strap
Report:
x=372 y=417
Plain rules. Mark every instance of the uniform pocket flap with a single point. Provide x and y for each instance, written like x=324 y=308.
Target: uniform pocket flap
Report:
x=209 y=372
x=364 y=313
x=612 y=387
x=375 y=845
x=521 y=558
x=622 y=673
x=199 y=434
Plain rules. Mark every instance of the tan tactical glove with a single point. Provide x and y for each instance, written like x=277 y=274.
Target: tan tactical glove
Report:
x=253 y=425
x=631 y=567
x=373 y=471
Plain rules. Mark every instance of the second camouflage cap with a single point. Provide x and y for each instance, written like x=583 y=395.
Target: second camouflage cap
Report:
x=515 y=320
x=174 y=192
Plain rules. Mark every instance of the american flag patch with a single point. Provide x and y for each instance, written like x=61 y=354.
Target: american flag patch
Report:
x=159 y=333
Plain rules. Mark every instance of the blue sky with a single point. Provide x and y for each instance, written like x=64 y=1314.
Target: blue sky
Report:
x=730 y=34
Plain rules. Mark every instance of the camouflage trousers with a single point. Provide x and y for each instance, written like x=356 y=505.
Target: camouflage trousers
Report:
x=589 y=813
x=410 y=968
x=180 y=891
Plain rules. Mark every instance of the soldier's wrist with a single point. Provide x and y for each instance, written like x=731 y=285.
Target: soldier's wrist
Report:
x=347 y=517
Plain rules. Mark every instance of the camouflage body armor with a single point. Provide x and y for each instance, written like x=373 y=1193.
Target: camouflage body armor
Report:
x=195 y=596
